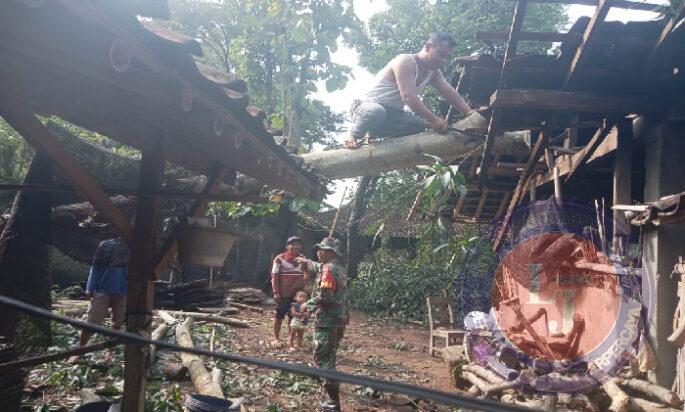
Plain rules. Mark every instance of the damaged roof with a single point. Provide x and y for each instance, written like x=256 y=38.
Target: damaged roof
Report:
x=95 y=64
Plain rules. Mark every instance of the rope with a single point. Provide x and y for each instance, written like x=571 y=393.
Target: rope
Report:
x=382 y=385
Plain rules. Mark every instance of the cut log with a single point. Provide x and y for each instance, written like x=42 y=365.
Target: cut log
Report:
x=202 y=380
x=220 y=311
x=620 y=402
x=499 y=387
x=166 y=317
x=246 y=307
x=483 y=373
x=175 y=372
x=478 y=382
x=211 y=318
x=217 y=376
x=405 y=152
x=643 y=405
x=157 y=334
x=653 y=390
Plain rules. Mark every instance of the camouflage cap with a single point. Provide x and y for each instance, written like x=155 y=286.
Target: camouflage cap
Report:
x=329 y=243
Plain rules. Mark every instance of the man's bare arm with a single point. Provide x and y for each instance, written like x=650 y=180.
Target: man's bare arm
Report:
x=404 y=70
x=448 y=92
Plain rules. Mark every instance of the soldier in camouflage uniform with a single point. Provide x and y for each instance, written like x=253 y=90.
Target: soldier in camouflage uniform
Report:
x=329 y=306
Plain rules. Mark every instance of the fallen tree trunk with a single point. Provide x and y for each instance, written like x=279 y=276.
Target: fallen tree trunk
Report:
x=405 y=152
x=211 y=318
x=202 y=380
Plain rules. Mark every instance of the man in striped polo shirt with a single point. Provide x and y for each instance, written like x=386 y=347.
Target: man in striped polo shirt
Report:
x=287 y=277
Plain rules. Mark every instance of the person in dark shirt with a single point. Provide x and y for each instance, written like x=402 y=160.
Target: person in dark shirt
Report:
x=107 y=287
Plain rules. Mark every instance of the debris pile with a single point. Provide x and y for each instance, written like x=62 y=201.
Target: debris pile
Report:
x=494 y=369
x=187 y=296
x=245 y=295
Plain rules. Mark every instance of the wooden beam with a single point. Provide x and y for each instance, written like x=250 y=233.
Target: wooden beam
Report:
x=55 y=356
x=537 y=151
x=668 y=28
x=584 y=154
x=164 y=256
x=526 y=36
x=556 y=37
x=510 y=52
x=619 y=4
x=566 y=163
x=502 y=205
x=580 y=58
x=140 y=298
x=622 y=184
x=569 y=101
x=41 y=138
x=169 y=194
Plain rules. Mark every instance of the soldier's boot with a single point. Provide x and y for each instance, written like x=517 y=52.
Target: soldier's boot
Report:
x=331 y=404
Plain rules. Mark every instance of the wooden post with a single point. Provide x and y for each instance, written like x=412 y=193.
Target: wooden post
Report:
x=622 y=184
x=139 y=303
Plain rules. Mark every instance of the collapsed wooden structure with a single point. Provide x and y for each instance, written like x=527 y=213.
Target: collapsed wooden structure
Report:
x=606 y=120
x=98 y=66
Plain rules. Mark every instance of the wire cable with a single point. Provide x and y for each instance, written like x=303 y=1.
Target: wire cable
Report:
x=453 y=399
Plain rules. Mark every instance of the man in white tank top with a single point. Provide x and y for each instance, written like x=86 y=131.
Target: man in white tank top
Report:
x=380 y=111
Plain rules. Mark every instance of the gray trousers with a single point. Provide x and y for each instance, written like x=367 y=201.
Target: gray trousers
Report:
x=383 y=121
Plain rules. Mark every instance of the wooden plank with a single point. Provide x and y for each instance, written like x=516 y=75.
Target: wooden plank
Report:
x=619 y=4
x=668 y=28
x=580 y=57
x=481 y=203
x=510 y=52
x=164 y=256
x=140 y=298
x=537 y=151
x=583 y=155
x=41 y=138
x=569 y=101
x=622 y=184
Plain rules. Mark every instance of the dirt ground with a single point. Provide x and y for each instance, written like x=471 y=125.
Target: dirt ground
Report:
x=371 y=347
